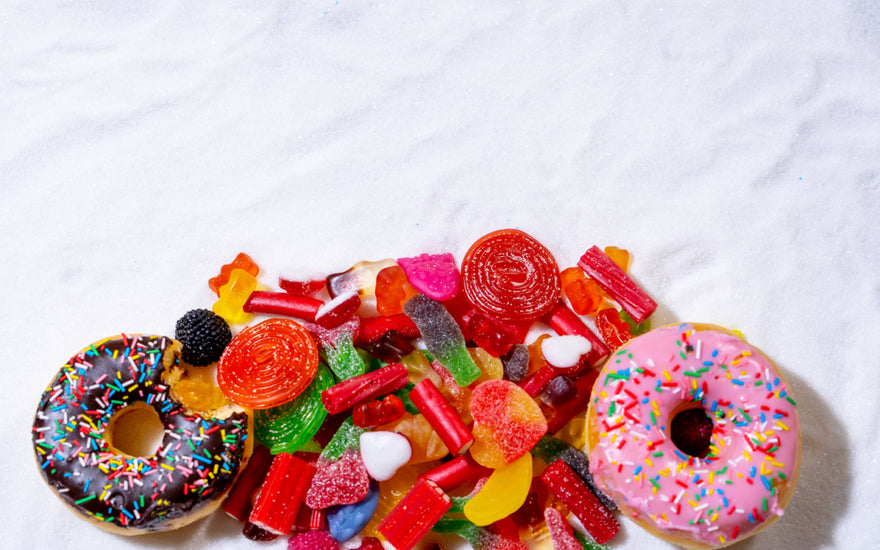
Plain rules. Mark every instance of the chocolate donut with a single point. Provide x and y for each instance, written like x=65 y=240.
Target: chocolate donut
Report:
x=76 y=440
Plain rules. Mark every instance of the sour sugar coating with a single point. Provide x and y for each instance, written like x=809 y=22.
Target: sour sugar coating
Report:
x=183 y=479
x=747 y=473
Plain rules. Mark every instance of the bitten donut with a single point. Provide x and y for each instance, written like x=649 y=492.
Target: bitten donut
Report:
x=83 y=419
x=739 y=479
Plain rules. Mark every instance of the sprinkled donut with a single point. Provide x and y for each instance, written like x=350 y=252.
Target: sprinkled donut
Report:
x=77 y=435
x=705 y=496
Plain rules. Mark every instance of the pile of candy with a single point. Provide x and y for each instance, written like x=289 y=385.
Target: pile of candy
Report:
x=406 y=401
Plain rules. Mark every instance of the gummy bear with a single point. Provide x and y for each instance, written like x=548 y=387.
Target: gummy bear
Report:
x=233 y=296
x=241 y=261
x=392 y=290
x=583 y=294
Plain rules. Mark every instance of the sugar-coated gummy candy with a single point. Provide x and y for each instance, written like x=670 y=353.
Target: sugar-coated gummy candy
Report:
x=312 y=540
x=442 y=417
x=370 y=543
x=507 y=423
x=560 y=530
x=549 y=449
x=338 y=350
x=344 y=481
x=412 y=517
x=516 y=363
x=501 y=535
x=434 y=275
x=384 y=453
x=268 y=364
x=614 y=280
x=442 y=337
x=503 y=493
x=281 y=494
x=566 y=351
x=568 y=487
x=347 y=520
x=347 y=436
x=511 y=275
x=306 y=287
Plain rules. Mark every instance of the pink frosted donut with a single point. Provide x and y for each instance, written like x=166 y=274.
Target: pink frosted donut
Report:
x=746 y=472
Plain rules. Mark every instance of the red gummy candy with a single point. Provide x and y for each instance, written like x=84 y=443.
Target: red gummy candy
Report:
x=345 y=481
x=348 y=393
x=338 y=310
x=238 y=503
x=375 y=413
x=614 y=330
x=370 y=543
x=282 y=494
x=511 y=275
x=300 y=288
x=282 y=303
x=412 y=518
x=561 y=532
x=312 y=540
x=491 y=335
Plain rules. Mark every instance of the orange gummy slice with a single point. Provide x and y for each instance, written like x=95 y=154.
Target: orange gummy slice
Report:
x=268 y=364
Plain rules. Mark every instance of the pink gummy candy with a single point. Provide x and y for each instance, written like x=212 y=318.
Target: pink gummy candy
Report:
x=561 y=533
x=312 y=540
x=434 y=275
x=345 y=481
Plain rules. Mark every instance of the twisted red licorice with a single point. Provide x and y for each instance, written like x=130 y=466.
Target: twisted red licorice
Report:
x=511 y=275
x=268 y=364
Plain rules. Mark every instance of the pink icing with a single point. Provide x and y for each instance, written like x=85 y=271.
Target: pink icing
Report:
x=754 y=443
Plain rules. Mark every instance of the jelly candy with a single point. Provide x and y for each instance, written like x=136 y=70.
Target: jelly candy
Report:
x=341 y=355
x=635 y=329
x=617 y=284
x=442 y=337
x=290 y=426
x=565 y=352
x=488 y=333
x=509 y=274
x=426 y=443
x=577 y=497
x=282 y=494
x=338 y=310
x=614 y=330
x=507 y=423
x=414 y=515
x=233 y=296
x=350 y=392
x=619 y=256
x=370 y=543
x=503 y=493
x=360 y=278
x=347 y=436
x=555 y=394
x=516 y=363
x=492 y=367
x=392 y=290
x=564 y=321
x=583 y=294
x=456 y=472
x=501 y=535
x=391 y=347
x=241 y=261
x=282 y=303
x=457 y=396
x=435 y=276
x=372 y=328
x=301 y=288
x=267 y=364
x=346 y=521
x=344 y=481
x=312 y=540
x=574 y=407
x=371 y=414
x=384 y=453
x=561 y=532
x=442 y=417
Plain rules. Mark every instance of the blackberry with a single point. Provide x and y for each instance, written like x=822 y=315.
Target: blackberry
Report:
x=204 y=336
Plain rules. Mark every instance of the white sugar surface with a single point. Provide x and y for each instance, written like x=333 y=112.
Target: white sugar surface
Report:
x=733 y=148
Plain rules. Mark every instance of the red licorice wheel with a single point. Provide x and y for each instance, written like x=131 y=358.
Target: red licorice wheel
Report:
x=511 y=275
x=268 y=364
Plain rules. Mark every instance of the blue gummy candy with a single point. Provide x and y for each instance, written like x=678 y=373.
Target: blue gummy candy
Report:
x=347 y=520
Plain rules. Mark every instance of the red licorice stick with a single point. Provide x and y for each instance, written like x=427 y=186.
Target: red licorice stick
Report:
x=282 y=494
x=372 y=328
x=577 y=497
x=574 y=407
x=540 y=378
x=282 y=303
x=300 y=288
x=441 y=416
x=617 y=284
x=349 y=393
x=415 y=514
x=338 y=310
x=456 y=472
x=565 y=321
x=238 y=503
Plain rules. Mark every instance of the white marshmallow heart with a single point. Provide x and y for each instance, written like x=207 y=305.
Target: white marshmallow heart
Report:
x=384 y=452
x=564 y=351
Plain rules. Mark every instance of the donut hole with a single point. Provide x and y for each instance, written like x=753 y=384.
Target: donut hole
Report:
x=691 y=431
x=135 y=431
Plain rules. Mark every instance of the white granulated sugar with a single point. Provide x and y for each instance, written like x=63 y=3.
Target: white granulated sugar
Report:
x=732 y=148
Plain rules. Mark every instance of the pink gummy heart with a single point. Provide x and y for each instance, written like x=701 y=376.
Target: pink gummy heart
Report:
x=507 y=423
x=434 y=275
x=345 y=481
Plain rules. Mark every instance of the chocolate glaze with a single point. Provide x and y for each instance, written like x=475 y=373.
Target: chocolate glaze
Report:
x=198 y=461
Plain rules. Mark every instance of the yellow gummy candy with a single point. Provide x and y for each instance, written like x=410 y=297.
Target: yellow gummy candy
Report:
x=503 y=494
